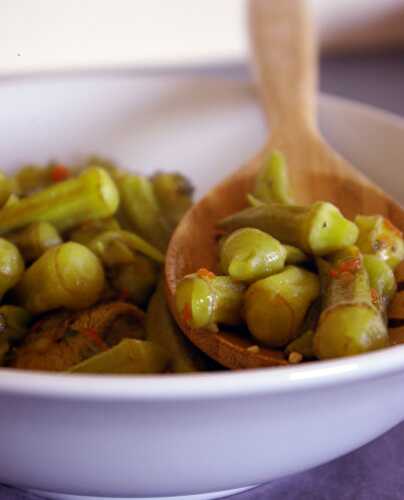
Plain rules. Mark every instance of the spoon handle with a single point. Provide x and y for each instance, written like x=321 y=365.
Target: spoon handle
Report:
x=285 y=61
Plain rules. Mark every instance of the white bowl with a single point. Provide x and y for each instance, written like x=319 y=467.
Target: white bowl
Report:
x=178 y=435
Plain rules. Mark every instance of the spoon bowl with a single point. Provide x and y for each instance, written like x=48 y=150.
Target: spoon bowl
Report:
x=284 y=55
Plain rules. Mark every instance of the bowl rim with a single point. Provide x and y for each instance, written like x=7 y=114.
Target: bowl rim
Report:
x=215 y=385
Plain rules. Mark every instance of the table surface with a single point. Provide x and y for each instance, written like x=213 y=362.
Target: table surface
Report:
x=374 y=472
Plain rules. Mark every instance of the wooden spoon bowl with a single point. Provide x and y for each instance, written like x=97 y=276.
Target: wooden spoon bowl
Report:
x=285 y=63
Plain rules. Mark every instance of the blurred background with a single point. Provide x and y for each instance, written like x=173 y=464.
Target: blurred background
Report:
x=362 y=41
x=82 y=34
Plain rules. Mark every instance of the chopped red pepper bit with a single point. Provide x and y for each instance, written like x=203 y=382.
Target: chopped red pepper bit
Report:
x=59 y=173
x=374 y=296
x=389 y=225
x=205 y=273
x=93 y=336
x=350 y=265
x=346 y=267
x=187 y=313
x=333 y=273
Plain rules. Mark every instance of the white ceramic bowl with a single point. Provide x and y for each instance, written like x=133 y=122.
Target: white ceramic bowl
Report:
x=177 y=435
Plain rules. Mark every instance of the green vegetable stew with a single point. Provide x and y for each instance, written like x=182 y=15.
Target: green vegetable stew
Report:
x=81 y=256
x=81 y=262
x=301 y=279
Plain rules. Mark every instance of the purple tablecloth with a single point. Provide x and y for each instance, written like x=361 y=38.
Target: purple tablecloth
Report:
x=376 y=471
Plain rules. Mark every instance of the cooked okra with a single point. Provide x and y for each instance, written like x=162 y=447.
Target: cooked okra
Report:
x=35 y=239
x=377 y=235
x=81 y=247
x=81 y=265
x=11 y=266
x=272 y=183
x=130 y=356
x=350 y=321
x=136 y=280
x=174 y=195
x=250 y=254
x=141 y=208
x=65 y=204
x=162 y=330
x=68 y=275
x=274 y=308
x=318 y=229
x=204 y=300
x=311 y=292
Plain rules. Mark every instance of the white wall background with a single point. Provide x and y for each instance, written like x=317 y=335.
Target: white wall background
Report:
x=76 y=34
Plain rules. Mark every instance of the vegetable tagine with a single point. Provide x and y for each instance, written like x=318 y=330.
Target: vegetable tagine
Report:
x=304 y=280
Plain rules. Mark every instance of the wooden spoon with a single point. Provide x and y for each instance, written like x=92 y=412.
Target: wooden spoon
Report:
x=284 y=60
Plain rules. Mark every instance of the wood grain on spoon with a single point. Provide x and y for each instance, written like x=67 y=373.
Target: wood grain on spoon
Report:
x=285 y=65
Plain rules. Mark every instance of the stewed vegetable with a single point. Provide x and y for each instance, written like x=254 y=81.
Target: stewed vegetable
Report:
x=204 y=300
x=250 y=254
x=274 y=308
x=81 y=272
x=308 y=290
x=80 y=249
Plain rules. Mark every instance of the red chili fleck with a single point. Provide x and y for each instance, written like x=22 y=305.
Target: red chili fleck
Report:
x=93 y=336
x=187 y=313
x=333 y=273
x=205 y=273
x=350 y=265
x=60 y=173
x=374 y=296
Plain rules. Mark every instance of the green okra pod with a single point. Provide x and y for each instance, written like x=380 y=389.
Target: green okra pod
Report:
x=304 y=343
x=174 y=195
x=107 y=164
x=203 y=300
x=249 y=254
x=163 y=330
x=140 y=207
x=65 y=204
x=89 y=230
x=274 y=307
x=318 y=229
x=137 y=280
x=377 y=235
x=381 y=280
x=350 y=323
x=11 y=266
x=130 y=356
x=272 y=183
x=68 y=275
x=5 y=189
x=31 y=178
x=101 y=246
x=294 y=255
x=35 y=239
x=12 y=200
x=98 y=237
